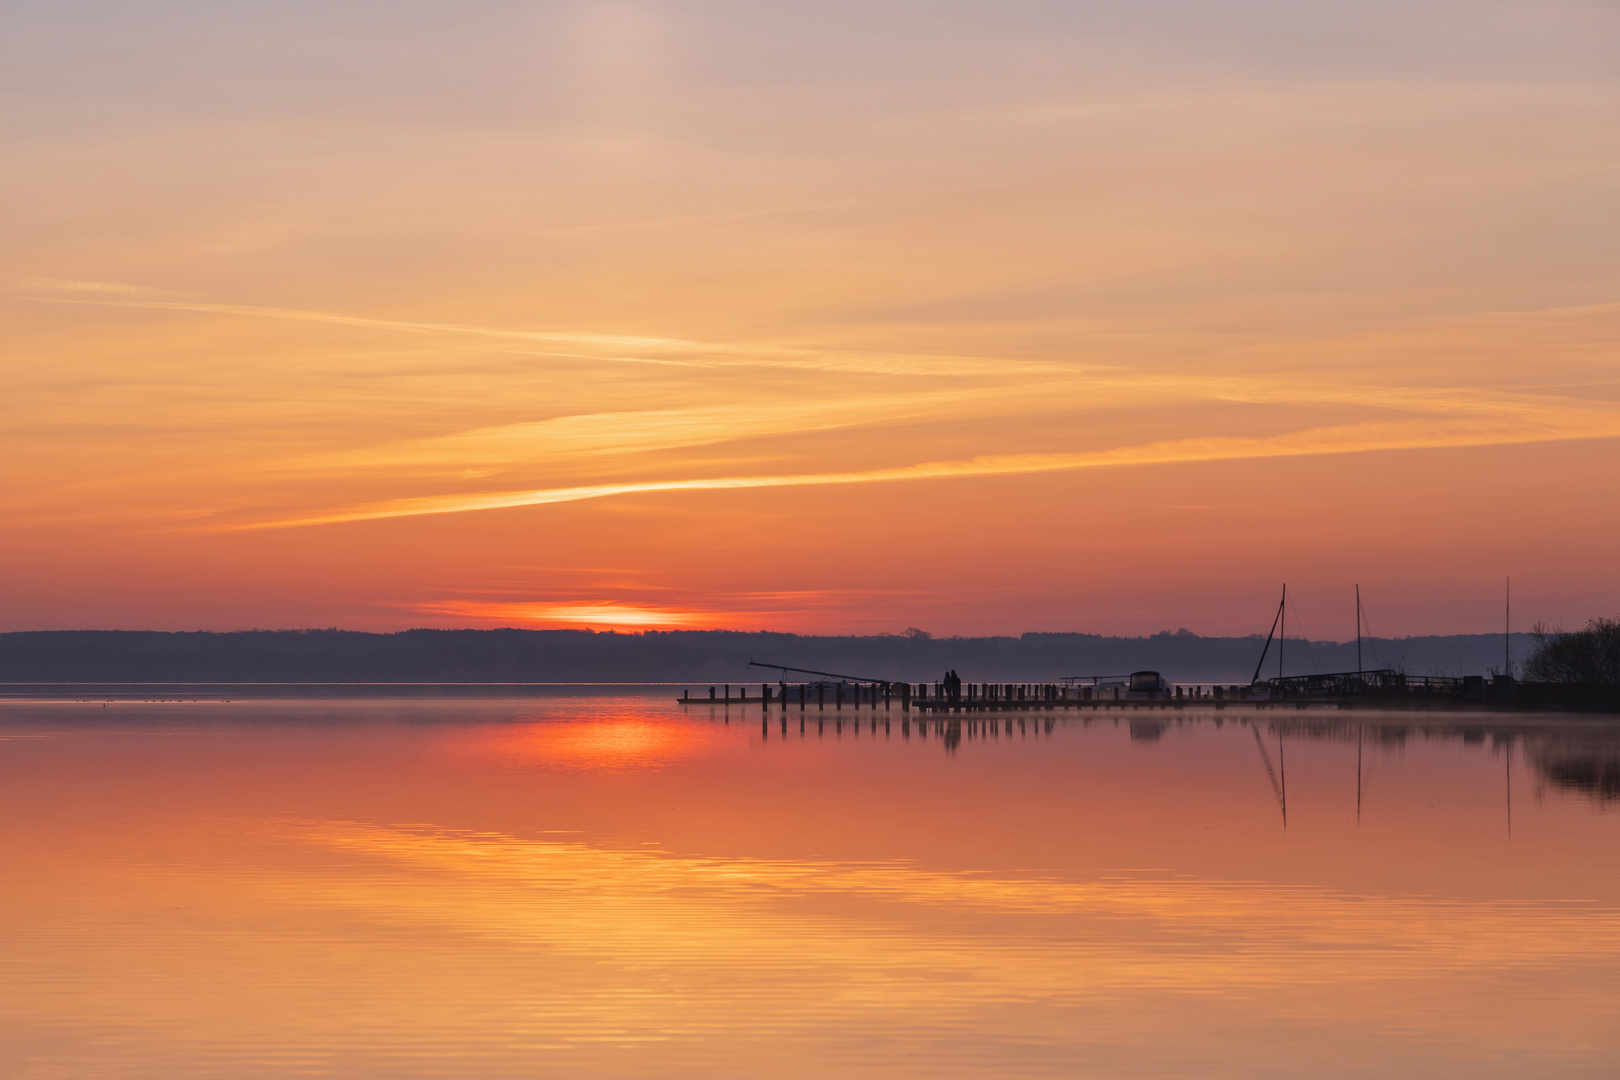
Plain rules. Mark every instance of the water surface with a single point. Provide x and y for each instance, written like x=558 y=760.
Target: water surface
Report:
x=610 y=886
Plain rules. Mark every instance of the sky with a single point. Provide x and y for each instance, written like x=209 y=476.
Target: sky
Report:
x=818 y=317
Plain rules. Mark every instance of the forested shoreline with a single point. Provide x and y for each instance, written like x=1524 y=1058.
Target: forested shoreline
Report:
x=515 y=655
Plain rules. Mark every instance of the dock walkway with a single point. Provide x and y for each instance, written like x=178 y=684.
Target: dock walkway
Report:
x=983 y=698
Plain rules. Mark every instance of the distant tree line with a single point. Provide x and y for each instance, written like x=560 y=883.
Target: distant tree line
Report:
x=1590 y=655
x=690 y=656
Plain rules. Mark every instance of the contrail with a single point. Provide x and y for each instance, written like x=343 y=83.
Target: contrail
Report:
x=709 y=354
x=1341 y=440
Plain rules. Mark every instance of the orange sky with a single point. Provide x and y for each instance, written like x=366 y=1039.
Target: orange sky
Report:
x=821 y=318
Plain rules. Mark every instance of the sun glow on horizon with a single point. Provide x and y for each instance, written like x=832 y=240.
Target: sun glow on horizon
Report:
x=573 y=614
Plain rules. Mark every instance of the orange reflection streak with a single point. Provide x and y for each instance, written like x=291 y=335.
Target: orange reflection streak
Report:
x=627 y=744
x=648 y=909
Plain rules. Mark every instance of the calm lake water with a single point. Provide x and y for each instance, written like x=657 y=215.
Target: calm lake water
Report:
x=609 y=886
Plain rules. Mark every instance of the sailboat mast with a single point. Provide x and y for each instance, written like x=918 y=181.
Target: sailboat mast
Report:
x=1507 y=630
x=1360 y=668
x=1282 y=615
x=1269 y=635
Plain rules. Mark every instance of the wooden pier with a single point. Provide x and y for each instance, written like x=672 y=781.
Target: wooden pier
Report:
x=973 y=698
x=1363 y=689
x=1411 y=693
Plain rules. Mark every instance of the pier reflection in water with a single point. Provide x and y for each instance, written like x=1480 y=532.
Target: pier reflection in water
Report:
x=611 y=887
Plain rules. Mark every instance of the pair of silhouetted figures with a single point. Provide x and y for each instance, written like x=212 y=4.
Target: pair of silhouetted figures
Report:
x=953 y=685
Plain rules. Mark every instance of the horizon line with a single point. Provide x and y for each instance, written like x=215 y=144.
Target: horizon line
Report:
x=1180 y=634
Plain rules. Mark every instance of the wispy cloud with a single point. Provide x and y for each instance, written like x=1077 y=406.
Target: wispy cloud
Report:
x=755 y=413
x=749 y=415
x=1506 y=426
x=612 y=348
x=100 y=288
